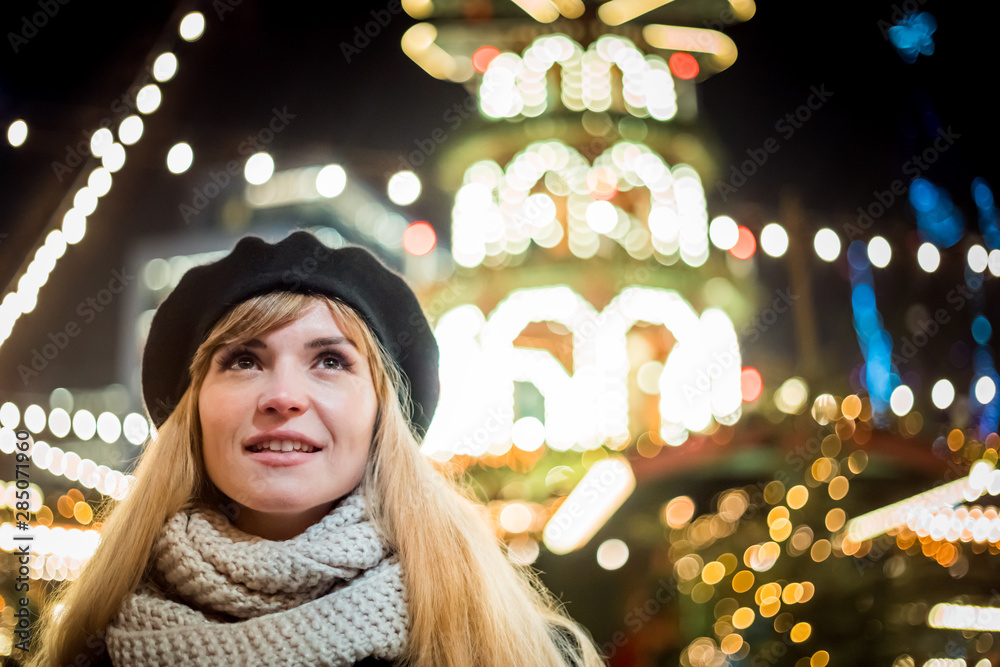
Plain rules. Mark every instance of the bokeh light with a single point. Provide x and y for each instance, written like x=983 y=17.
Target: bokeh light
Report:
x=879 y=252
x=942 y=394
x=259 y=169
x=928 y=257
x=404 y=188
x=179 y=157
x=192 y=26
x=827 y=244
x=17 y=133
x=419 y=238
x=774 y=239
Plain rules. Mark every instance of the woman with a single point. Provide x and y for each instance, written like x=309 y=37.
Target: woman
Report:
x=283 y=513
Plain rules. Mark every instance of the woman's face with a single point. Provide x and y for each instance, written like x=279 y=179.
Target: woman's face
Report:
x=287 y=421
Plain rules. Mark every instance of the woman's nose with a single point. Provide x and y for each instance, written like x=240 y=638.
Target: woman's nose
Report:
x=283 y=392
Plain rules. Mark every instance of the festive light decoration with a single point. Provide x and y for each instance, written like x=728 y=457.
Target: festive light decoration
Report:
x=700 y=380
x=515 y=86
x=873 y=524
x=112 y=155
x=964 y=617
x=496 y=214
x=602 y=490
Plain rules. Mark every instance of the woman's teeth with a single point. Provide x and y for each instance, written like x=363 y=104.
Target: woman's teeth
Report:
x=282 y=446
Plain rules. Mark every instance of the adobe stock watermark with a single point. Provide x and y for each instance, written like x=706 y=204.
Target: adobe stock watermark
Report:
x=914 y=167
x=33 y=23
x=363 y=35
x=88 y=310
x=220 y=180
x=786 y=126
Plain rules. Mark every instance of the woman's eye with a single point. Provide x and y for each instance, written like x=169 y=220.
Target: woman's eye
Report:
x=244 y=362
x=332 y=363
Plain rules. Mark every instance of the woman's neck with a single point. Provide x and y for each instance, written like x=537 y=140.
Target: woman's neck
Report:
x=278 y=527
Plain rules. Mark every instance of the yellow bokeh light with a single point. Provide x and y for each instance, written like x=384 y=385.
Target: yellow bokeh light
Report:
x=780 y=530
x=851 y=407
x=713 y=572
x=765 y=591
x=702 y=592
x=819 y=659
x=800 y=632
x=44 y=515
x=678 y=512
x=792 y=593
x=835 y=519
x=83 y=513
x=857 y=461
x=955 y=440
x=731 y=643
x=821 y=469
x=820 y=550
x=742 y=581
x=797 y=496
x=839 y=487
x=773 y=492
x=743 y=618
x=777 y=513
x=770 y=606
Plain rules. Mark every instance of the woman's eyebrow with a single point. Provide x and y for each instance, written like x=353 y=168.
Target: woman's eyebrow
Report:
x=328 y=342
x=311 y=345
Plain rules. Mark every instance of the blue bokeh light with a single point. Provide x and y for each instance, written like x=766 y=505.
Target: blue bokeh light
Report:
x=912 y=36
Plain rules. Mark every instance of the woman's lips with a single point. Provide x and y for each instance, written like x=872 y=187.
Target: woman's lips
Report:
x=281 y=452
x=281 y=459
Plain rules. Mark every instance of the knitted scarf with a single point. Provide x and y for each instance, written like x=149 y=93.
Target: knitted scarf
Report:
x=218 y=597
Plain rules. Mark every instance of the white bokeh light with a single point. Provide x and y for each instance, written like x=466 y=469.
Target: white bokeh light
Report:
x=879 y=252
x=901 y=400
x=179 y=158
x=114 y=157
x=404 y=188
x=724 y=232
x=331 y=180
x=612 y=554
x=101 y=141
x=978 y=258
x=130 y=131
x=928 y=257
x=774 y=239
x=192 y=26
x=259 y=169
x=942 y=394
x=985 y=390
x=17 y=133
x=827 y=244
x=164 y=67
x=148 y=99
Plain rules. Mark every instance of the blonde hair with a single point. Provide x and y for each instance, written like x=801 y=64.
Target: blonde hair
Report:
x=468 y=602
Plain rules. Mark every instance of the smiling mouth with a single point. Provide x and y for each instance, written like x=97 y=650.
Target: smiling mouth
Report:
x=282 y=446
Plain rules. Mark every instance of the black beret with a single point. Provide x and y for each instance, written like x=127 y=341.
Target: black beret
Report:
x=302 y=264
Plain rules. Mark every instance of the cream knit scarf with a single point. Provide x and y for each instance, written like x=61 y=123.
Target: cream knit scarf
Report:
x=330 y=596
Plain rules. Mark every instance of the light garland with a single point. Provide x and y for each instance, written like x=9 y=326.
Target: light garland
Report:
x=516 y=86
x=496 y=214
x=699 y=381
x=873 y=524
x=24 y=298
